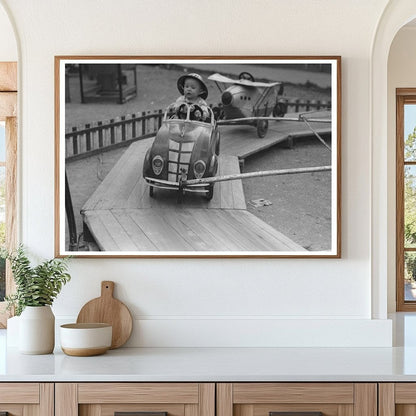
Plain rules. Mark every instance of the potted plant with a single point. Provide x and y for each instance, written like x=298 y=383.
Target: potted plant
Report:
x=36 y=289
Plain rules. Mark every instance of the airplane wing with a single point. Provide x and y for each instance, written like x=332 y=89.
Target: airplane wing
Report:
x=226 y=80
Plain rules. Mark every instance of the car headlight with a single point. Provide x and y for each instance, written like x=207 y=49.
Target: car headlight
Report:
x=157 y=164
x=199 y=169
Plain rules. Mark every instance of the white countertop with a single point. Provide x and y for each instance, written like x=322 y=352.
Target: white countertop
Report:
x=221 y=364
x=215 y=364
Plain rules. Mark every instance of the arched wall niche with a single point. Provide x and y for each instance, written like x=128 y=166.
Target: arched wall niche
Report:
x=397 y=14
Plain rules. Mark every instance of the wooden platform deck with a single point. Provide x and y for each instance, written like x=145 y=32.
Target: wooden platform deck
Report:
x=122 y=217
x=242 y=141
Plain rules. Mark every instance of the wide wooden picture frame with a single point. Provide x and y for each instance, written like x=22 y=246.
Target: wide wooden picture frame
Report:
x=198 y=156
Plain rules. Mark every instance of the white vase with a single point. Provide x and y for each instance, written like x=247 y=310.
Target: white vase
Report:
x=12 y=334
x=37 y=330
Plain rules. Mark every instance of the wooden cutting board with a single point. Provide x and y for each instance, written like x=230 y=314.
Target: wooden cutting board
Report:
x=109 y=310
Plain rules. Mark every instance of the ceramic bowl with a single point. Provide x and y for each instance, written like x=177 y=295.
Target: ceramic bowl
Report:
x=84 y=340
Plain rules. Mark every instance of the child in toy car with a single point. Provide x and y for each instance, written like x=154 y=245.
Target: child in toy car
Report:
x=194 y=92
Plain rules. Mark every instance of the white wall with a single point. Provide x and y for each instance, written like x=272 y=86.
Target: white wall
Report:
x=401 y=74
x=8 y=45
x=212 y=301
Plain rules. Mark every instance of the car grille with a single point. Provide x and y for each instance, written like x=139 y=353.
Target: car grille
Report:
x=179 y=158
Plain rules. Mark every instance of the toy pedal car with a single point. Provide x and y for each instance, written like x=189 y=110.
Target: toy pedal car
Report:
x=185 y=148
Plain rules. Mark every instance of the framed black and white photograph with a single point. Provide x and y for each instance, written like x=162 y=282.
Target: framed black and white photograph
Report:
x=198 y=156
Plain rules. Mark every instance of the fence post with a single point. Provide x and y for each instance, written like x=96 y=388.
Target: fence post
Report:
x=297 y=105
x=143 y=123
x=123 y=128
x=88 y=137
x=133 y=126
x=74 y=142
x=100 y=134
x=112 y=137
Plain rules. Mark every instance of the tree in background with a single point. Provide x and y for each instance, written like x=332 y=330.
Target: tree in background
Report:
x=410 y=206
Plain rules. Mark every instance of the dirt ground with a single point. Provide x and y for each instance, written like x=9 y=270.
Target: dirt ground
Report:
x=300 y=204
x=158 y=95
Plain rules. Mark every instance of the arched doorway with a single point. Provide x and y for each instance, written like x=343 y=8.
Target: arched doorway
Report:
x=395 y=16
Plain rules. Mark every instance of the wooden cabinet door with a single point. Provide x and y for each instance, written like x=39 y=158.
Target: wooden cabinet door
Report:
x=297 y=399
x=26 y=399
x=144 y=399
x=397 y=399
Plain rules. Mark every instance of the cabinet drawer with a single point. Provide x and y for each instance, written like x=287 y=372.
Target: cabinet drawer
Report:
x=297 y=399
x=21 y=399
x=146 y=399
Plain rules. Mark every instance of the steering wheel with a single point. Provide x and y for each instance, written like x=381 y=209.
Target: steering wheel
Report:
x=247 y=76
x=196 y=112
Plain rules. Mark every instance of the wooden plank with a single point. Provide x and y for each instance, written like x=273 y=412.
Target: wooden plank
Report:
x=242 y=141
x=98 y=230
x=66 y=399
x=191 y=410
x=365 y=399
x=19 y=393
x=47 y=399
x=123 y=177
x=345 y=410
x=127 y=166
x=8 y=76
x=136 y=234
x=405 y=393
x=246 y=225
x=224 y=399
x=138 y=393
x=207 y=399
x=251 y=393
x=272 y=237
x=158 y=231
x=239 y=233
x=208 y=239
x=176 y=222
x=184 y=230
x=386 y=399
x=139 y=197
x=224 y=243
x=225 y=189
x=8 y=105
x=117 y=232
x=124 y=187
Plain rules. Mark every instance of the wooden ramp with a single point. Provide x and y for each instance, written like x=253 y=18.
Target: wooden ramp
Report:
x=122 y=217
x=242 y=141
x=124 y=186
x=184 y=229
